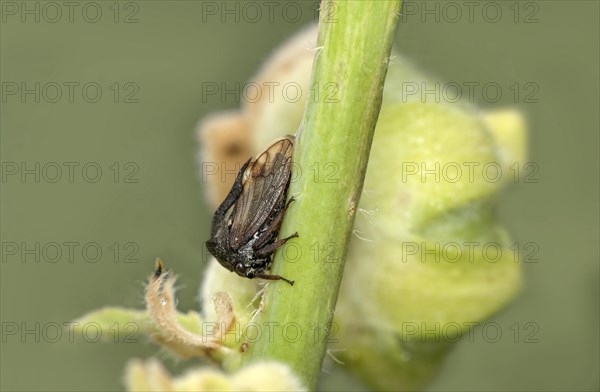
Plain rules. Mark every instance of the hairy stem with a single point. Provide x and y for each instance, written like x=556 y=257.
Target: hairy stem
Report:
x=330 y=160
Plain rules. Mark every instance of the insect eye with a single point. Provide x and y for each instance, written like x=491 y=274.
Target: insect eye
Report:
x=239 y=267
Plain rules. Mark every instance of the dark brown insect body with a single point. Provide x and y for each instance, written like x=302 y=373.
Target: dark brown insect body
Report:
x=245 y=226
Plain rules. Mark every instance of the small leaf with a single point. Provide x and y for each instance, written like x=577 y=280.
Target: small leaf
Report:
x=113 y=321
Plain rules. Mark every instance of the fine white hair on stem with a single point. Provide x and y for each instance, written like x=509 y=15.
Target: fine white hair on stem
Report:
x=330 y=352
x=325 y=370
x=360 y=237
x=261 y=306
x=258 y=294
x=257 y=311
x=314 y=49
x=367 y=214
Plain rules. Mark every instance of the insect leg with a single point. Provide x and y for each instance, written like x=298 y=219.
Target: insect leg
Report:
x=273 y=277
x=270 y=248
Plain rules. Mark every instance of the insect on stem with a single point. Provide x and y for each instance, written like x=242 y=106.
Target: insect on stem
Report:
x=246 y=225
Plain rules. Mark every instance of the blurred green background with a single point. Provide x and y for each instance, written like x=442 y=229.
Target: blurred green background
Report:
x=149 y=200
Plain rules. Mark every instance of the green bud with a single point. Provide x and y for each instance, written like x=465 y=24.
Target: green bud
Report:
x=430 y=259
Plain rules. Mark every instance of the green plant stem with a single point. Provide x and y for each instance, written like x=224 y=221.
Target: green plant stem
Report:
x=330 y=160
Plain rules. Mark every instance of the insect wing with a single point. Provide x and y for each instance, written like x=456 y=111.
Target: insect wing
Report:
x=230 y=199
x=266 y=181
